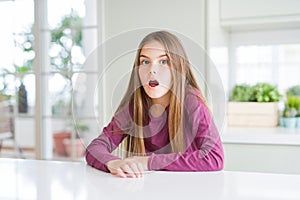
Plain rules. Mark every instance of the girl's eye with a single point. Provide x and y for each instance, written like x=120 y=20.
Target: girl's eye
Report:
x=164 y=62
x=145 y=62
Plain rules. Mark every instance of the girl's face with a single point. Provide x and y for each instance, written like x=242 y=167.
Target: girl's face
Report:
x=154 y=70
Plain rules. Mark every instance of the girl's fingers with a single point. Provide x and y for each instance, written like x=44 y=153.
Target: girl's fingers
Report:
x=119 y=173
x=141 y=169
x=128 y=170
x=136 y=169
x=130 y=167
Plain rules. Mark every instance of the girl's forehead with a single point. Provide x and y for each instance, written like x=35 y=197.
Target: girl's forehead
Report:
x=154 y=45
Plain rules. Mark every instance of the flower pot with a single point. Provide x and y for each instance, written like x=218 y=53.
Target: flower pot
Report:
x=252 y=114
x=281 y=121
x=79 y=147
x=298 y=122
x=290 y=122
x=59 y=147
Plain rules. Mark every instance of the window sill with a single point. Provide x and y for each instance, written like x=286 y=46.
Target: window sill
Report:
x=261 y=135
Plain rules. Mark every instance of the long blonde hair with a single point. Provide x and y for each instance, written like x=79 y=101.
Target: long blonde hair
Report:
x=182 y=77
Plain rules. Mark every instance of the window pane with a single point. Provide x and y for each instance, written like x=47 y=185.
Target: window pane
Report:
x=17 y=79
x=58 y=9
x=70 y=36
x=59 y=91
x=29 y=87
x=83 y=97
x=289 y=65
x=6 y=35
x=276 y=64
x=254 y=60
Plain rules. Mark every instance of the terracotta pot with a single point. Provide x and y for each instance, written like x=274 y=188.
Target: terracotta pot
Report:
x=59 y=147
x=79 y=147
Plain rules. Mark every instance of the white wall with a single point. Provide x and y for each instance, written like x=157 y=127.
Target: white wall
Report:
x=216 y=35
x=121 y=18
x=186 y=17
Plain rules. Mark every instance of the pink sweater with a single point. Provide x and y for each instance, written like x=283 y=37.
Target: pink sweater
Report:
x=203 y=151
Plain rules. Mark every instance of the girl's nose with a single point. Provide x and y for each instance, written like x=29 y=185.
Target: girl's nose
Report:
x=153 y=69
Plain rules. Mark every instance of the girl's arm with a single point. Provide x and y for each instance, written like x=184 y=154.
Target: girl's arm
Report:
x=203 y=159
x=98 y=152
x=204 y=153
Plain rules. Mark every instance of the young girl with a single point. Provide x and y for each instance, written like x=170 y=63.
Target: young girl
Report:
x=163 y=119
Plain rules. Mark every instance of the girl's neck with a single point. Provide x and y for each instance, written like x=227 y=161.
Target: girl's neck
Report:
x=164 y=101
x=159 y=105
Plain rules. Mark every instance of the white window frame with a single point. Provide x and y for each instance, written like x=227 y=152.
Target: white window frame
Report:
x=264 y=37
x=43 y=134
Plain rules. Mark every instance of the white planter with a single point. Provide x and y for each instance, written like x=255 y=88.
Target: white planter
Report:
x=252 y=114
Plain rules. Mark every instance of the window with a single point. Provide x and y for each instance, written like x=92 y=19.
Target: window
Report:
x=72 y=35
x=17 y=78
x=68 y=33
x=259 y=56
x=276 y=64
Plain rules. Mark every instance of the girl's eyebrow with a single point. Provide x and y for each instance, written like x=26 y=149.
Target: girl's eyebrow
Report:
x=144 y=56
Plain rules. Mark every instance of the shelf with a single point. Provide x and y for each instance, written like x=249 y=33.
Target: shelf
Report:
x=261 y=135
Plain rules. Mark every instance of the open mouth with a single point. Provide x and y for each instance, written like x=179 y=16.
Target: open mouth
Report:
x=153 y=83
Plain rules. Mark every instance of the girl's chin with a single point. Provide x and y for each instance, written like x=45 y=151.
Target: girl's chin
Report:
x=156 y=94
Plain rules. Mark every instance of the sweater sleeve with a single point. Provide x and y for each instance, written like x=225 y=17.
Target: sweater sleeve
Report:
x=204 y=153
x=98 y=152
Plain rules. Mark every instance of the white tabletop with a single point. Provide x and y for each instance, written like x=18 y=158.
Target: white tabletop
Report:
x=31 y=179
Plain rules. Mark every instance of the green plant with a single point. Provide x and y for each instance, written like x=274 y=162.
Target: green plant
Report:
x=289 y=112
x=24 y=43
x=261 y=92
x=4 y=96
x=78 y=127
x=293 y=102
x=67 y=36
x=5 y=93
x=293 y=91
x=66 y=39
x=298 y=107
x=265 y=92
x=241 y=93
x=292 y=106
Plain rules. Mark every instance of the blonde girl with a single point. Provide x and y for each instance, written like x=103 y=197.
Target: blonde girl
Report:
x=163 y=120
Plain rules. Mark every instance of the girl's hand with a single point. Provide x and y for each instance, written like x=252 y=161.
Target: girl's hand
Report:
x=132 y=167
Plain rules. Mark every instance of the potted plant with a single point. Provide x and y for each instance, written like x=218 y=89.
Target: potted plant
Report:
x=4 y=91
x=293 y=91
x=297 y=107
x=265 y=92
x=68 y=37
x=80 y=129
x=58 y=140
x=253 y=105
x=241 y=93
x=24 y=44
x=291 y=114
x=289 y=117
x=63 y=140
x=292 y=106
x=22 y=92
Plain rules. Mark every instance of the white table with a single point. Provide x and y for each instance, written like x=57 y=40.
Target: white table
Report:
x=32 y=179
